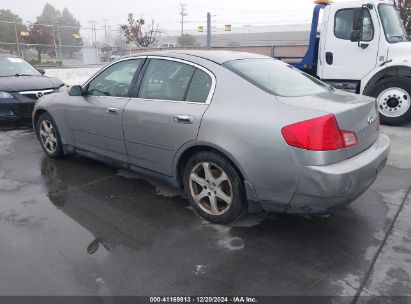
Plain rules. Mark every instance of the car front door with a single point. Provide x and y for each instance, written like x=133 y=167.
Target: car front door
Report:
x=96 y=117
x=166 y=112
x=343 y=59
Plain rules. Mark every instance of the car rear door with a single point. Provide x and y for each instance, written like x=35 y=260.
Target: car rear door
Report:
x=166 y=111
x=96 y=117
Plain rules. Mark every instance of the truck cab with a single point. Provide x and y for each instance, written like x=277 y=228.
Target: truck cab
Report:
x=363 y=48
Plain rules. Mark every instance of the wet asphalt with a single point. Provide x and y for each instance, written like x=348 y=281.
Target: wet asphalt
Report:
x=78 y=227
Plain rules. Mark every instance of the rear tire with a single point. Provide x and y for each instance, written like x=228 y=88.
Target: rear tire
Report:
x=49 y=136
x=214 y=188
x=393 y=99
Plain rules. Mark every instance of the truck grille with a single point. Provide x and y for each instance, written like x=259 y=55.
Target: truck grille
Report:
x=36 y=94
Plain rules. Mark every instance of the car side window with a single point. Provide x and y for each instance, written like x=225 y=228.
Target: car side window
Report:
x=115 y=80
x=344 y=25
x=200 y=87
x=166 y=80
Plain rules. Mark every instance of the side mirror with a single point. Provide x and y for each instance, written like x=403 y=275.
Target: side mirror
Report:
x=42 y=72
x=357 y=18
x=76 y=90
x=355 y=36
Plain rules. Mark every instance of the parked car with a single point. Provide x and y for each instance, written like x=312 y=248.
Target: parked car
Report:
x=168 y=45
x=115 y=57
x=240 y=132
x=21 y=85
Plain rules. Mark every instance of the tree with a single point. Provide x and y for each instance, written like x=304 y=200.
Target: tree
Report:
x=69 y=29
x=42 y=33
x=8 y=29
x=404 y=7
x=187 y=40
x=138 y=32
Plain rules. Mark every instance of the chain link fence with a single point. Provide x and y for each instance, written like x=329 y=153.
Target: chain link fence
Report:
x=56 y=45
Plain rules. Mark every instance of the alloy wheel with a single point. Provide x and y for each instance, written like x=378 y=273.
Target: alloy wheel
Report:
x=48 y=136
x=211 y=188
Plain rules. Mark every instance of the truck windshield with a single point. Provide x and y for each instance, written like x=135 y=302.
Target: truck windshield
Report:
x=276 y=77
x=393 y=26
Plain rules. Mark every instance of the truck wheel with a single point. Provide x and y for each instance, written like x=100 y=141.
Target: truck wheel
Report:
x=214 y=188
x=393 y=99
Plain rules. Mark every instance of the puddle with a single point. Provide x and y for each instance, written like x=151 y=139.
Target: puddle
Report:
x=5 y=147
x=199 y=269
x=7 y=184
x=231 y=243
x=225 y=239
x=248 y=221
x=10 y=185
x=161 y=188
x=393 y=197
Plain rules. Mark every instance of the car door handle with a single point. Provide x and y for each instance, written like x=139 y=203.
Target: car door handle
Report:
x=113 y=111
x=183 y=119
x=329 y=58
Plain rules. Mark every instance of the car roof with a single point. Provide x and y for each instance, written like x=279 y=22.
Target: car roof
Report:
x=216 y=56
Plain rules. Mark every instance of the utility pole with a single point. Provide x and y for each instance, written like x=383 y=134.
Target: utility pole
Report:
x=17 y=37
x=93 y=31
x=183 y=13
x=209 y=30
x=54 y=41
x=105 y=29
x=121 y=40
x=60 y=62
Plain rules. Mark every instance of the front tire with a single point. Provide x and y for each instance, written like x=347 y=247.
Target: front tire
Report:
x=393 y=99
x=49 y=136
x=214 y=188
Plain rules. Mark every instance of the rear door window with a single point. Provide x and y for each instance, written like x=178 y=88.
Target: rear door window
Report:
x=166 y=80
x=200 y=87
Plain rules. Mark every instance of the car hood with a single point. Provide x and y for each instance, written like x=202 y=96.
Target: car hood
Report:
x=399 y=50
x=28 y=83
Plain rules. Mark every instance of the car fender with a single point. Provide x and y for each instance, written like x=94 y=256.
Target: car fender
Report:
x=396 y=67
x=206 y=145
x=253 y=202
x=55 y=105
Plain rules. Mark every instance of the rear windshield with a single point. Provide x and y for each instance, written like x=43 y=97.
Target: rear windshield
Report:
x=277 y=78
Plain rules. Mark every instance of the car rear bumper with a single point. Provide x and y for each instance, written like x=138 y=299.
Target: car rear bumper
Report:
x=324 y=189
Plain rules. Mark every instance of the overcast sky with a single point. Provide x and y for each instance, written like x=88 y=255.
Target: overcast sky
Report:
x=166 y=12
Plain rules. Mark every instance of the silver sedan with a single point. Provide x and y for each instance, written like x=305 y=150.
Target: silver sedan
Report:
x=240 y=132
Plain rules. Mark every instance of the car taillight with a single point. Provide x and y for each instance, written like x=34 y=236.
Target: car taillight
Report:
x=349 y=138
x=318 y=134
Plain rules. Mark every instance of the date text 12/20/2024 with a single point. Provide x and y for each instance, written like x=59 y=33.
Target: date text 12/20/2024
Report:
x=200 y=299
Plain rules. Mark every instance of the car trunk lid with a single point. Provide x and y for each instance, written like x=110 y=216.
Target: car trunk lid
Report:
x=353 y=113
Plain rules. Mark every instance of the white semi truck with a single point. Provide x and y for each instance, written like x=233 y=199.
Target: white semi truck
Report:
x=362 y=47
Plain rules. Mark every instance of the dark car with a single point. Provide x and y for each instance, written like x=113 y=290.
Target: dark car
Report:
x=21 y=84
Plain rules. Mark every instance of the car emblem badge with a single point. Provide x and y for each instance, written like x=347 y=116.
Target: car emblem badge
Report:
x=371 y=120
x=39 y=94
